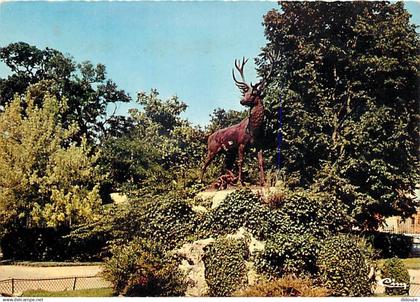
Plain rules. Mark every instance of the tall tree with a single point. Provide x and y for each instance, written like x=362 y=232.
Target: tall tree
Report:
x=347 y=83
x=88 y=91
x=45 y=179
x=160 y=152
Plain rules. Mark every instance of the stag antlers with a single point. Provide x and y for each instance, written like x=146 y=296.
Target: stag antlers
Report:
x=243 y=86
x=272 y=56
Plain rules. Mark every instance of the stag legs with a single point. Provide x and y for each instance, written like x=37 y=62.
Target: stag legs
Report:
x=209 y=158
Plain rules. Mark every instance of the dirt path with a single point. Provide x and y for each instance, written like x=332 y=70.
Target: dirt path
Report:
x=17 y=271
x=35 y=278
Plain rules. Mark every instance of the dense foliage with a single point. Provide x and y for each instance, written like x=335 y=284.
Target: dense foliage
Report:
x=143 y=268
x=390 y=245
x=85 y=86
x=289 y=254
x=160 y=153
x=225 y=266
x=347 y=83
x=241 y=208
x=45 y=179
x=344 y=263
x=167 y=220
x=50 y=244
x=300 y=212
x=395 y=269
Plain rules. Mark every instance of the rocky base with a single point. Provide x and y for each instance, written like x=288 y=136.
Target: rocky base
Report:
x=193 y=266
x=192 y=253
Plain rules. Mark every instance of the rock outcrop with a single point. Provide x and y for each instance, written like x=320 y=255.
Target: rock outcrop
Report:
x=193 y=266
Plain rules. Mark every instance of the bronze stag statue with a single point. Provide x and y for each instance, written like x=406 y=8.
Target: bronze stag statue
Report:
x=246 y=134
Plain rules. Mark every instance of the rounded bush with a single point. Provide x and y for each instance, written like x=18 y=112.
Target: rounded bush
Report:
x=288 y=254
x=241 y=208
x=344 y=264
x=225 y=269
x=142 y=268
x=164 y=219
x=319 y=213
x=396 y=270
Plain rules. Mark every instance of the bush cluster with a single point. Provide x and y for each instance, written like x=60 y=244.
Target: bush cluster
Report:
x=301 y=233
x=395 y=269
x=143 y=268
x=165 y=219
x=319 y=213
x=288 y=254
x=241 y=208
x=225 y=271
x=298 y=212
x=344 y=263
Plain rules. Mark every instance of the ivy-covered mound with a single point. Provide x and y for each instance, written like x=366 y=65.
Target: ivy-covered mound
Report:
x=243 y=240
x=298 y=232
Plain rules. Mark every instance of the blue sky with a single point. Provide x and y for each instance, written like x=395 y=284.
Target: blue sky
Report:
x=180 y=48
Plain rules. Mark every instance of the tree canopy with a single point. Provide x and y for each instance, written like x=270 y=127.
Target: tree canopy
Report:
x=347 y=82
x=160 y=152
x=85 y=86
x=45 y=178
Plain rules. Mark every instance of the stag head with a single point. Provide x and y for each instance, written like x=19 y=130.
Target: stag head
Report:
x=251 y=93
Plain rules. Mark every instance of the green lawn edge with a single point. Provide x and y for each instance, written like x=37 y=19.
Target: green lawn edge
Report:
x=95 y=292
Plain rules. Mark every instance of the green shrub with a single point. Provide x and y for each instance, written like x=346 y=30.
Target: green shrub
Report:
x=395 y=269
x=288 y=286
x=343 y=262
x=241 y=208
x=319 y=213
x=142 y=268
x=297 y=212
x=165 y=219
x=288 y=254
x=224 y=262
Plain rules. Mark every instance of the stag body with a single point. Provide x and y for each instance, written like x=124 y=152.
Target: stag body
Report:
x=248 y=133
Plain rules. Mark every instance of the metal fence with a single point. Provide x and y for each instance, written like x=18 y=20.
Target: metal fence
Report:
x=16 y=286
x=415 y=289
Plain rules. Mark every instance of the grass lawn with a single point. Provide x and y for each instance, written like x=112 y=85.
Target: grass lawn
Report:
x=410 y=263
x=96 y=292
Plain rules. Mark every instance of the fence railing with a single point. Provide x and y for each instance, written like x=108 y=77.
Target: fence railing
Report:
x=414 y=290
x=402 y=229
x=15 y=286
